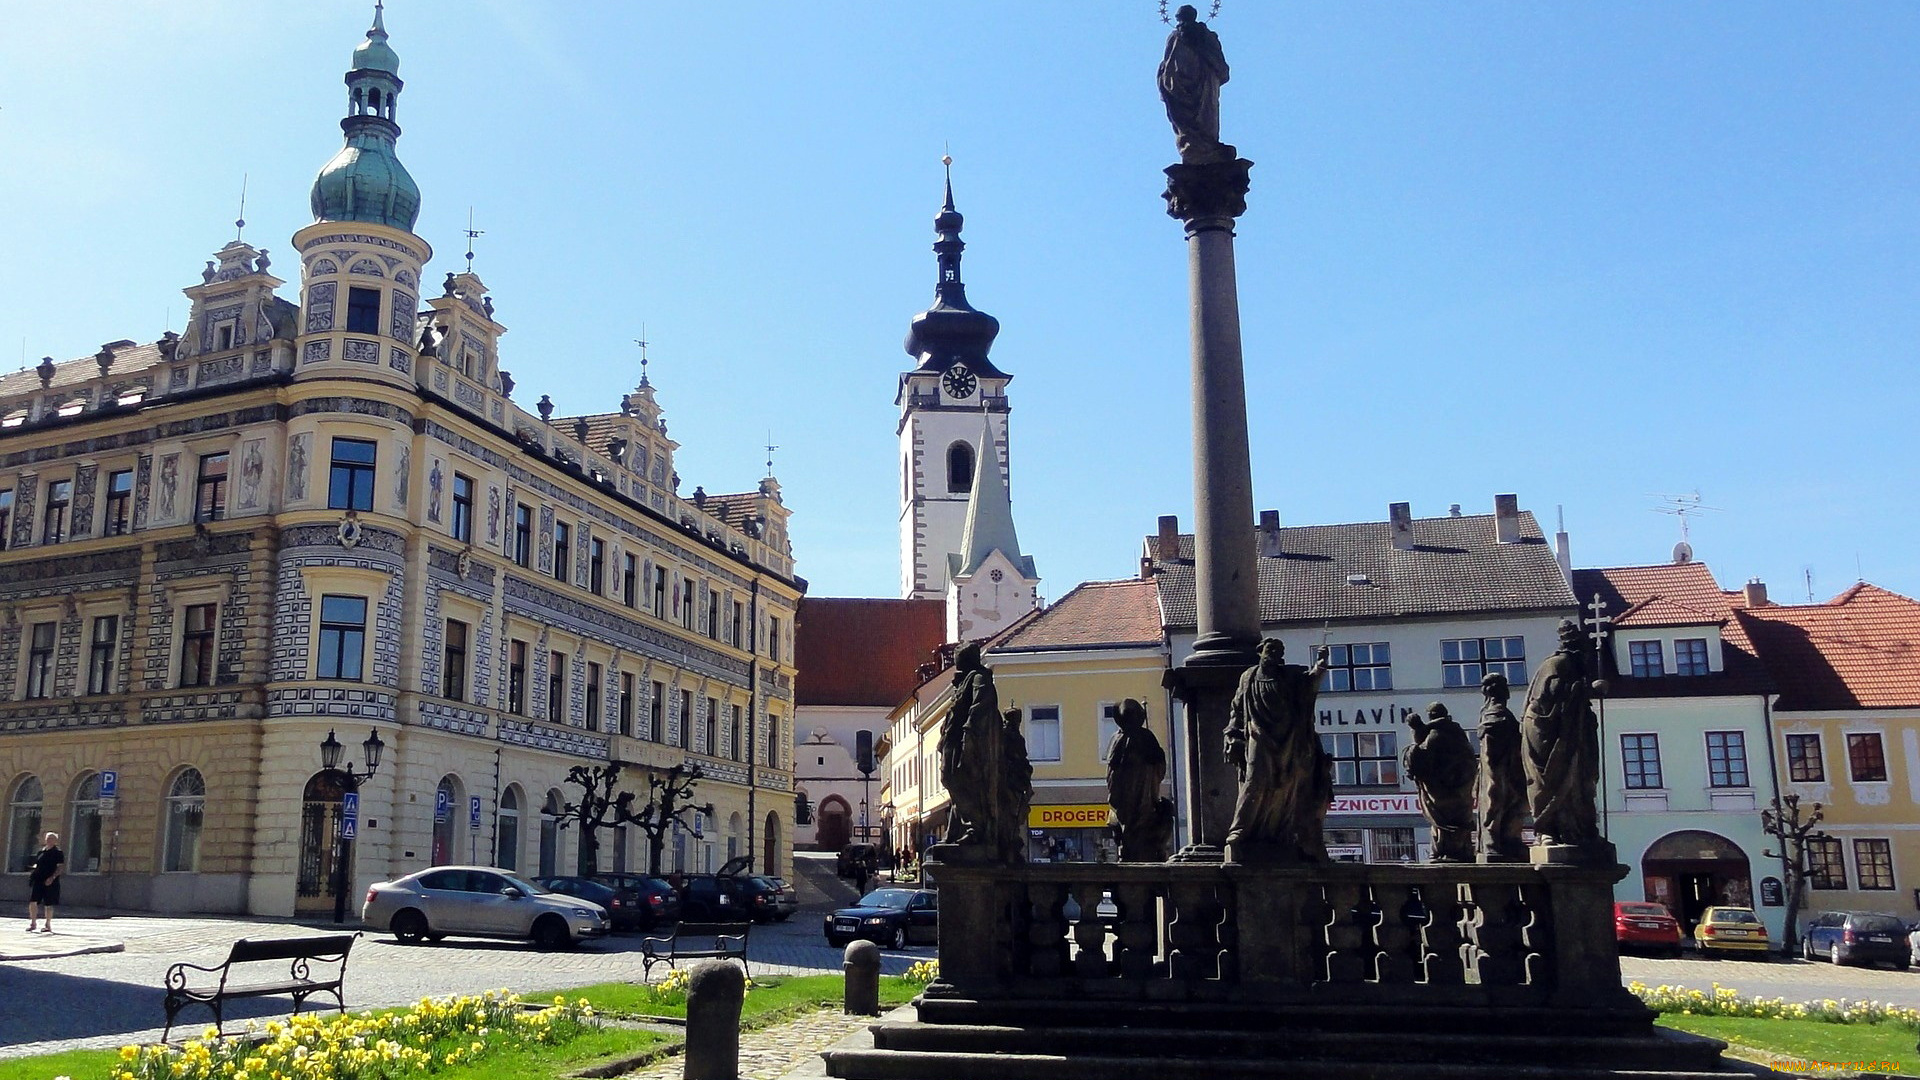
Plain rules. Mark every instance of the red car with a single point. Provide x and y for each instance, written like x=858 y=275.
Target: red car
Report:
x=1645 y=925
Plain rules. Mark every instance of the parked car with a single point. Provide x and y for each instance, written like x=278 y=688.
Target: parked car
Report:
x=655 y=897
x=483 y=902
x=712 y=898
x=786 y=899
x=1730 y=929
x=1856 y=937
x=857 y=861
x=1645 y=925
x=895 y=918
x=626 y=907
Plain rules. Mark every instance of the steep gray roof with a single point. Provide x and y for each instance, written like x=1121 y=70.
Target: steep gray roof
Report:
x=1456 y=567
x=989 y=526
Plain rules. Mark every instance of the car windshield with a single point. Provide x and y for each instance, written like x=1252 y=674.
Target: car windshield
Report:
x=890 y=898
x=1878 y=924
x=1643 y=909
x=523 y=885
x=1734 y=915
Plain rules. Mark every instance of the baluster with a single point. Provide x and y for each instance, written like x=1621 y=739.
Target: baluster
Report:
x=1348 y=953
x=1193 y=937
x=1316 y=914
x=1047 y=933
x=1439 y=947
x=1136 y=932
x=1532 y=917
x=1496 y=940
x=1393 y=934
x=1089 y=933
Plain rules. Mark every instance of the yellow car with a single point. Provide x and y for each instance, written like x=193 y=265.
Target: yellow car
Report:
x=1730 y=929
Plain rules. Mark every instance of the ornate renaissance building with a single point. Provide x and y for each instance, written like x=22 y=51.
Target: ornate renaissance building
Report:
x=294 y=519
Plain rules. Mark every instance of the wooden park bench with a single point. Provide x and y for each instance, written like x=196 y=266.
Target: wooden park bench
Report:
x=329 y=951
x=697 y=941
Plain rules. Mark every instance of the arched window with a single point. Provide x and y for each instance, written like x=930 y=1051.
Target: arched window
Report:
x=507 y=834
x=736 y=837
x=960 y=467
x=83 y=840
x=186 y=810
x=550 y=834
x=320 y=814
x=449 y=806
x=23 y=824
x=373 y=101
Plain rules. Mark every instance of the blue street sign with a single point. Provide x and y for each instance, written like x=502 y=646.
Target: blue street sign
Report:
x=440 y=807
x=473 y=812
x=348 y=828
x=350 y=804
x=109 y=783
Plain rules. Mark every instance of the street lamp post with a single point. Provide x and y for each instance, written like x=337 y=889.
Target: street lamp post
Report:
x=330 y=749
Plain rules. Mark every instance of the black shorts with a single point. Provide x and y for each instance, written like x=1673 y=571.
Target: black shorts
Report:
x=45 y=892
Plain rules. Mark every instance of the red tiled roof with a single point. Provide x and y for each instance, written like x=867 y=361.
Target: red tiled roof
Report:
x=1860 y=650
x=1096 y=613
x=858 y=651
x=1670 y=595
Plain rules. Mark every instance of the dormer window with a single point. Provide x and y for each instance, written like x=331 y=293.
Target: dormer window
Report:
x=1690 y=656
x=1648 y=659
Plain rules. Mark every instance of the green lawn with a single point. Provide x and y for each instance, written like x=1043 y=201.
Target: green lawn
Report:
x=79 y=1064
x=771 y=997
x=1806 y=1040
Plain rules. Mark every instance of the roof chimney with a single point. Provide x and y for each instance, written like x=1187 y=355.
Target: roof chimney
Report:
x=1562 y=550
x=1269 y=534
x=1453 y=509
x=1400 y=525
x=1506 y=518
x=1169 y=538
x=1756 y=593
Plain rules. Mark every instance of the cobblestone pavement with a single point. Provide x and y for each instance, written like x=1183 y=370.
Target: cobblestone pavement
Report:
x=774 y=1052
x=111 y=999
x=1795 y=980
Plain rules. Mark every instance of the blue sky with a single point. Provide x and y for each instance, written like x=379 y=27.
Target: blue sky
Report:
x=1587 y=253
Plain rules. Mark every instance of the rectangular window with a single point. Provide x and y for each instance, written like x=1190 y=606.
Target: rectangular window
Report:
x=523 y=535
x=1805 y=763
x=1365 y=666
x=102 y=649
x=1369 y=760
x=1727 y=759
x=453 y=672
x=6 y=517
x=597 y=566
x=119 y=503
x=713 y=614
x=1108 y=726
x=630 y=580
x=1648 y=659
x=40 y=660
x=1465 y=661
x=463 y=508
x=211 y=502
x=350 y=481
x=593 y=697
x=59 y=498
x=1690 y=656
x=773 y=640
x=738 y=746
x=1640 y=760
x=773 y=741
x=657 y=713
x=1873 y=861
x=710 y=730
x=1826 y=866
x=686 y=719
x=626 y=704
x=659 y=592
x=686 y=604
x=517 y=678
x=1043 y=733
x=557 y=687
x=739 y=620
x=363 y=310
x=1394 y=845
x=1866 y=757
x=562 y=547
x=343 y=637
x=196 y=646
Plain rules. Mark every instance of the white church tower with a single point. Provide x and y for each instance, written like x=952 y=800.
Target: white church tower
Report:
x=953 y=415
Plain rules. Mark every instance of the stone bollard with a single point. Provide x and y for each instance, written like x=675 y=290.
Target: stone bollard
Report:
x=715 y=989
x=862 y=965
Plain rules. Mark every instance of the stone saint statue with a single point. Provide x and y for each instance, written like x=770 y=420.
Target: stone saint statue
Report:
x=1563 y=746
x=1503 y=776
x=1286 y=778
x=1015 y=791
x=1136 y=768
x=973 y=758
x=1441 y=764
x=1191 y=74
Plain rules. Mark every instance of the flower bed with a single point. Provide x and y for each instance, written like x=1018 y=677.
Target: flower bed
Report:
x=1724 y=1001
x=430 y=1036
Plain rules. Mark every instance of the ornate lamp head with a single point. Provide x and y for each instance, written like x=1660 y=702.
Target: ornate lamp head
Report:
x=374 y=747
x=330 y=752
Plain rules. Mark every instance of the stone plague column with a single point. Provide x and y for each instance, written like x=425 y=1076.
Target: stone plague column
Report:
x=1206 y=191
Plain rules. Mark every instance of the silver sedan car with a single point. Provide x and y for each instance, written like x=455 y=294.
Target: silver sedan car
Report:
x=480 y=901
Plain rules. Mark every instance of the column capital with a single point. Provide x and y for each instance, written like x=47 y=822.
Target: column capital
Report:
x=1208 y=196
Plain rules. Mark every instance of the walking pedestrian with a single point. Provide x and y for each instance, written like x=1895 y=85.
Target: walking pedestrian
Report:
x=44 y=883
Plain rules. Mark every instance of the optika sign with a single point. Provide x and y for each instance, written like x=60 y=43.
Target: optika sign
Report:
x=1091 y=816
x=1375 y=804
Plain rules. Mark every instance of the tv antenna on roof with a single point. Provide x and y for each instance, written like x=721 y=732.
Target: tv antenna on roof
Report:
x=1681 y=506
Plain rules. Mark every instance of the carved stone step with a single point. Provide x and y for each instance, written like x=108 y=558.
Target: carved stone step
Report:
x=1385 y=1018
x=1659 y=1050
x=897 y=1065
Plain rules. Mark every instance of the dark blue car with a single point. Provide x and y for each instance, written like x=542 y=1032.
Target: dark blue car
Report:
x=1856 y=937
x=895 y=918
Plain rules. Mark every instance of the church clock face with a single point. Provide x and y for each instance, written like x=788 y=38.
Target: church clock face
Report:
x=959 y=381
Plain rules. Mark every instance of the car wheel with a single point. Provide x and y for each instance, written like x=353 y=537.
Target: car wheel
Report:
x=899 y=939
x=550 y=932
x=1833 y=954
x=1806 y=949
x=409 y=927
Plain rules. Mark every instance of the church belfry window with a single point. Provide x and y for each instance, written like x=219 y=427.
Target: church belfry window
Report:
x=959 y=467
x=363 y=311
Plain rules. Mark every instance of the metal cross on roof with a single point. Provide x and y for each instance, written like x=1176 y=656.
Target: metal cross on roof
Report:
x=770 y=449
x=1598 y=622
x=642 y=342
x=472 y=234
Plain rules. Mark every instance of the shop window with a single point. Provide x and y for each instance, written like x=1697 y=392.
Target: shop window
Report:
x=83 y=835
x=1393 y=845
x=186 y=813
